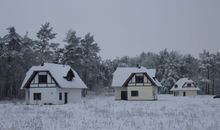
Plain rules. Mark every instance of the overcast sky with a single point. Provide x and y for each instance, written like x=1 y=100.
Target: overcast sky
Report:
x=122 y=27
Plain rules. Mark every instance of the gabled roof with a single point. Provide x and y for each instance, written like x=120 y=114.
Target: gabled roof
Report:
x=121 y=75
x=179 y=85
x=58 y=72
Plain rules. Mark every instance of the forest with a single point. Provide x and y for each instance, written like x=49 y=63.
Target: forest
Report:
x=18 y=53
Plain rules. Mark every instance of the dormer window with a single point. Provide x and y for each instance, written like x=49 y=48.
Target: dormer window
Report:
x=189 y=85
x=70 y=75
x=176 y=86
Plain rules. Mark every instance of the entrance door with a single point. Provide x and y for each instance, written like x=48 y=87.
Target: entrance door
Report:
x=184 y=93
x=65 y=98
x=124 y=95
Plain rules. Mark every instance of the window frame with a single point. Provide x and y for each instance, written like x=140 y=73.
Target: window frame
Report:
x=60 y=96
x=139 y=79
x=36 y=96
x=135 y=93
x=42 y=80
x=188 y=85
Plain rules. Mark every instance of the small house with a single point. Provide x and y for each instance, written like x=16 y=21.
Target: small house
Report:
x=185 y=87
x=135 y=83
x=51 y=83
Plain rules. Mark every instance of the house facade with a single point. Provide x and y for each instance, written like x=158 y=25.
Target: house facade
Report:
x=52 y=84
x=133 y=83
x=185 y=87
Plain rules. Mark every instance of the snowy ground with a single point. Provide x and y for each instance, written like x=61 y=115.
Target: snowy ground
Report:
x=103 y=113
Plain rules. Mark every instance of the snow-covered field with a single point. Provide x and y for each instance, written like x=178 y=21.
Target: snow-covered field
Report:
x=103 y=113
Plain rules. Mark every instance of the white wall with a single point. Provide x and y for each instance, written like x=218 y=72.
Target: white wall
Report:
x=48 y=95
x=51 y=95
x=74 y=95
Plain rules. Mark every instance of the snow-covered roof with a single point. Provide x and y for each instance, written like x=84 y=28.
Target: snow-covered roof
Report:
x=181 y=84
x=121 y=74
x=58 y=71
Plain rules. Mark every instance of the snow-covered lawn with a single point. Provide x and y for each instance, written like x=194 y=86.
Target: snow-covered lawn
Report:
x=103 y=113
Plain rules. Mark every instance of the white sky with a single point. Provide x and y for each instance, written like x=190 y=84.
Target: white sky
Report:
x=122 y=27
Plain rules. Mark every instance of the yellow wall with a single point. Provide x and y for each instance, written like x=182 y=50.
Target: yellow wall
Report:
x=188 y=93
x=118 y=92
x=144 y=93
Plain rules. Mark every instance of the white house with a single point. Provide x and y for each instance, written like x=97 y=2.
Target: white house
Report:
x=135 y=83
x=185 y=87
x=52 y=84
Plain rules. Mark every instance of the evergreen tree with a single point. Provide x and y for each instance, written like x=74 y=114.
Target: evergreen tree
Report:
x=73 y=54
x=42 y=46
x=11 y=62
x=90 y=59
x=204 y=69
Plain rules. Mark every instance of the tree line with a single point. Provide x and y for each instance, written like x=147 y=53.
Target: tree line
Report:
x=18 y=53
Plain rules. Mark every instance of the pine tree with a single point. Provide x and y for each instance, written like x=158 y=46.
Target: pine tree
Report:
x=42 y=46
x=72 y=54
x=90 y=60
x=204 y=69
x=11 y=61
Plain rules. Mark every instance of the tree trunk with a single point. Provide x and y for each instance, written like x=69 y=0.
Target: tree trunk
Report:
x=208 y=80
x=213 y=86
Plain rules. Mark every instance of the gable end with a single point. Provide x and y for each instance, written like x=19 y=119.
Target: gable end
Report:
x=133 y=74
x=34 y=74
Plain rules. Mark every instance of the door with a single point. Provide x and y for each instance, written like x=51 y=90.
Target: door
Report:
x=184 y=93
x=124 y=95
x=65 y=98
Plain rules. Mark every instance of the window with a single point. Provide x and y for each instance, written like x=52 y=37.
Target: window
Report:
x=176 y=93
x=189 y=85
x=70 y=75
x=37 y=96
x=176 y=85
x=134 y=93
x=42 y=79
x=139 y=79
x=60 y=96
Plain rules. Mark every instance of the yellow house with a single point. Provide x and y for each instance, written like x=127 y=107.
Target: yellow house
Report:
x=185 y=87
x=135 y=83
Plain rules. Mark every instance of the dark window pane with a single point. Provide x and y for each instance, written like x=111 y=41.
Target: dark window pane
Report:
x=37 y=96
x=176 y=85
x=139 y=79
x=60 y=96
x=189 y=85
x=42 y=79
x=134 y=93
